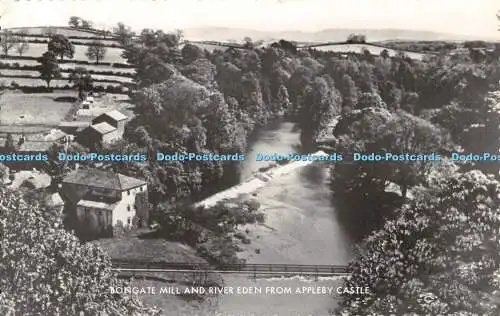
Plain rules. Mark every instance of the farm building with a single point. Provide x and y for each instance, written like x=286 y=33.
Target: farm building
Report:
x=102 y=200
x=105 y=129
x=114 y=118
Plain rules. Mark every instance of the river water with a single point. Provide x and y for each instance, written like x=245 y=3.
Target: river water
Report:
x=301 y=227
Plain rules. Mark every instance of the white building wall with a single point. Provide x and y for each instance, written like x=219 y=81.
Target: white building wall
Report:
x=125 y=209
x=111 y=137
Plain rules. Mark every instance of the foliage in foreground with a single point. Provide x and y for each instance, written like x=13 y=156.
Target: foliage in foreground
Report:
x=208 y=230
x=439 y=256
x=44 y=270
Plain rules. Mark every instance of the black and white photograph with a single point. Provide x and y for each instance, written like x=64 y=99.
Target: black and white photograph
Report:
x=250 y=158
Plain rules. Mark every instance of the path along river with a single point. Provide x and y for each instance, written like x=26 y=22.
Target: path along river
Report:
x=301 y=227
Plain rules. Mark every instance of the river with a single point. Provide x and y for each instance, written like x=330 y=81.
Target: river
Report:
x=300 y=228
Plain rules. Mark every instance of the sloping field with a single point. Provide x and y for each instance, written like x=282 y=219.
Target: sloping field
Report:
x=113 y=55
x=98 y=68
x=21 y=62
x=358 y=49
x=58 y=83
x=39 y=108
x=76 y=41
x=33 y=73
x=63 y=30
x=93 y=67
x=209 y=47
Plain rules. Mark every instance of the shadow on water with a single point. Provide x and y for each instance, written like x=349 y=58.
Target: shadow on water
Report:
x=360 y=217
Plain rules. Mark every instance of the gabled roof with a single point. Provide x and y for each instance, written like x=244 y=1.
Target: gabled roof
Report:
x=114 y=115
x=96 y=204
x=103 y=128
x=103 y=179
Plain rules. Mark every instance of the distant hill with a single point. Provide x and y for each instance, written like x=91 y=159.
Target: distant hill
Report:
x=225 y=34
x=64 y=30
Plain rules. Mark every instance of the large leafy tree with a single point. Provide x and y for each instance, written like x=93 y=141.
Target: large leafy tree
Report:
x=123 y=33
x=322 y=104
x=74 y=21
x=7 y=41
x=96 y=51
x=45 y=270
x=61 y=46
x=406 y=133
x=82 y=80
x=439 y=256
x=49 y=67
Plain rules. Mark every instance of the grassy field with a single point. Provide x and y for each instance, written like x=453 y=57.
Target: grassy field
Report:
x=40 y=108
x=33 y=73
x=21 y=62
x=68 y=66
x=113 y=55
x=98 y=68
x=358 y=48
x=82 y=40
x=63 y=30
x=59 y=83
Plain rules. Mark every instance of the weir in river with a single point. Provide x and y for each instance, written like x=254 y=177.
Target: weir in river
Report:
x=258 y=181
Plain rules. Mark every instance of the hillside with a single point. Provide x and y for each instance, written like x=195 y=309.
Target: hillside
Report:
x=64 y=30
x=20 y=69
x=328 y=35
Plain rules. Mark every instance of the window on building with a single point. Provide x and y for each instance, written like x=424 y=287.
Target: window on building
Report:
x=129 y=221
x=141 y=189
x=128 y=192
x=128 y=208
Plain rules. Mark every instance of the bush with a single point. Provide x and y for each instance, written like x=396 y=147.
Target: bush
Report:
x=120 y=65
x=44 y=267
x=36 y=89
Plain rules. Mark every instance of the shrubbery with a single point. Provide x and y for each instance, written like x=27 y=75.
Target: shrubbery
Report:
x=44 y=89
x=17 y=66
x=208 y=230
x=45 y=270
x=69 y=61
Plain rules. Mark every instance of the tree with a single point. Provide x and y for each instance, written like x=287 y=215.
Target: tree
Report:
x=124 y=33
x=61 y=46
x=406 y=133
x=322 y=104
x=384 y=54
x=283 y=99
x=74 y=21
x=248 y=42
x=349 y=92
x=82 y=80
x=96 y=51
x=356 y=39
x=191 y=53
x=4 y=173
x=46 y=270
x=22 y=47
x=10 y=144
x=439 y=256
x=201 y=71
x=7 y=41
x=49 y=67
x=86 y=24
x=370 y=99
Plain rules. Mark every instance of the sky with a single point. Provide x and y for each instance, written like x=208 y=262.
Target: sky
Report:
x=465 y=17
